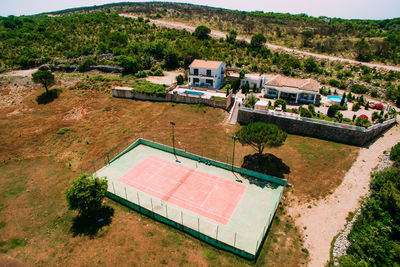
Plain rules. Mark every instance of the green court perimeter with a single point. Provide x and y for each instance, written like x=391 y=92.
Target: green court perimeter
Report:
x=229 y=209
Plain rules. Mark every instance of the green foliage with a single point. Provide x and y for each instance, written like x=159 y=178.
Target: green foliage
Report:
x=129 y=64
x=355 y=107
x=305 y=112
x=332 y=110
x=310 y=65
x=363 y=122
x=62 y=131
x=342 y=101
x=280 y=102
x=202 y=32
x=311 y=108
x=86 y=194
x=86 y=63
x=45 y=78
x=334 y=82
x=374 y=238
x=246 y=88
x=395 y=153
x=260 y=135
x=231 y=37
x=180 y=79
x=359 y=89
x=251 y=101
x=156 y=71
x=258 y=40
x=145 y=87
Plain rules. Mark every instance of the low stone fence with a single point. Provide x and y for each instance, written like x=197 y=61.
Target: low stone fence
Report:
x=126 y=92
x=294 y=124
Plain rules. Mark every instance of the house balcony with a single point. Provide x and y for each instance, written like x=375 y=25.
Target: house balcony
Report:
x=202 y=75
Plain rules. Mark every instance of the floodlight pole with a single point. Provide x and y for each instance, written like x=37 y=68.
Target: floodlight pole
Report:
x=173 y=137
x=233 y=154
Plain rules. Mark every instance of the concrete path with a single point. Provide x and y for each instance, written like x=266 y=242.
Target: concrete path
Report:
x=324 y=220
x=219 y=34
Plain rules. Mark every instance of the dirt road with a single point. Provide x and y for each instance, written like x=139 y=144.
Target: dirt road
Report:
x=323 y=220
x=219 y=34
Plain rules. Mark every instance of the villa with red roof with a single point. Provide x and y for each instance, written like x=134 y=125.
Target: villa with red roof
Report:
x=206 y=73
x=293 y=90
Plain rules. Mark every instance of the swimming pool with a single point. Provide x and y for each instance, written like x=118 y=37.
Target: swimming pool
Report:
x=193 y=93
x=335 y=99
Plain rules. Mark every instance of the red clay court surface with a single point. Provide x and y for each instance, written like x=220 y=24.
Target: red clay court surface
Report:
x=205 y=194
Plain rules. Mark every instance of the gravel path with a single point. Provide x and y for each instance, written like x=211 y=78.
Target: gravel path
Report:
x=327 y=217
x=219 y=34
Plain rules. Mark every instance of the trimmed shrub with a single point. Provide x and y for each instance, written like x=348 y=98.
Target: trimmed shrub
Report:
x=280 y=102
x=334 y=82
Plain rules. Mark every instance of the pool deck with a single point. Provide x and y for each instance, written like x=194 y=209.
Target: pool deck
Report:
x=207 y=94
x=248 y=223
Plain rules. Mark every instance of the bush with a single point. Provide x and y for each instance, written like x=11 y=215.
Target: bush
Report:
x=156 y=71
x=62 y=131
x=332 y=111
x=202 y=32
x=251 y=101
x=311 y=108
x=363 y=121
x=180 y=79
x=395 y=153
x=334 y=82
x=305 y=112
x=356 y=106
x=145 y=87
x=379 y=106
x=280 y=102
x=141 y=74
x=359 y=89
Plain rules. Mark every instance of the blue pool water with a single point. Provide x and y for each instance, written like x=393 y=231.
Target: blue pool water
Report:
x=335 y=98
x=193 y=93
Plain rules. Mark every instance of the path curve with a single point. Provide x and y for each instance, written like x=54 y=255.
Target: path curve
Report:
x=219 y=34
x=323 y=221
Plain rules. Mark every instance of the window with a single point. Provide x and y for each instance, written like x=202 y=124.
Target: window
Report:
x=195 y=80
x=208 y=73
x=196 y=71
x=209 y=82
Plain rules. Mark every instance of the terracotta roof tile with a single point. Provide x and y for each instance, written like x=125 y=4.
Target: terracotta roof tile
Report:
x=208 y=64
x=302 y=84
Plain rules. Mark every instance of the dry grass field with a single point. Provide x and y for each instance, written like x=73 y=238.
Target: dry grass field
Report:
x=43 y=147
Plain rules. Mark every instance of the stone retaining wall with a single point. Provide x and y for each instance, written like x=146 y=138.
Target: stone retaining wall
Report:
x=334 y=132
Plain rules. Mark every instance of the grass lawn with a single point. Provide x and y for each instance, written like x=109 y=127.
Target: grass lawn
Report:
x=37 y=163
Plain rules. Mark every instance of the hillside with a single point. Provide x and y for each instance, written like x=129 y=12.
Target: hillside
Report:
x=364 y=40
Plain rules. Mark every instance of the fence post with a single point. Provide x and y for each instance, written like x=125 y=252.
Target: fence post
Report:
x=182 y=217
x=151 y=201
x=126 y=195
x=166 y=210
x=216 y=235
x=234 y=241
x=113 y=186
x=138 y=200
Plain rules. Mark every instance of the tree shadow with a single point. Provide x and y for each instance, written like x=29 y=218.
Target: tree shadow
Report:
x=90 y=224
x=46 y=98
x=267 y=164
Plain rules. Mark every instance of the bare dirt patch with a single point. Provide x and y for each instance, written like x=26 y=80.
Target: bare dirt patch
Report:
x=168 y=78
x=43 y=162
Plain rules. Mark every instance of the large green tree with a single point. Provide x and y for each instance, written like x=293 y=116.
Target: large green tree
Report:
x=260 y=135
x=45 y=78
x=202 y=32
x=258 y=40
x=86 y=194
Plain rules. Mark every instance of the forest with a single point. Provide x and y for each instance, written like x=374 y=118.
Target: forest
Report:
x=364 y=40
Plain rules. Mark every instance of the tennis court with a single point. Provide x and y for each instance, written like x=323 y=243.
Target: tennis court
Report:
x=205 y=198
